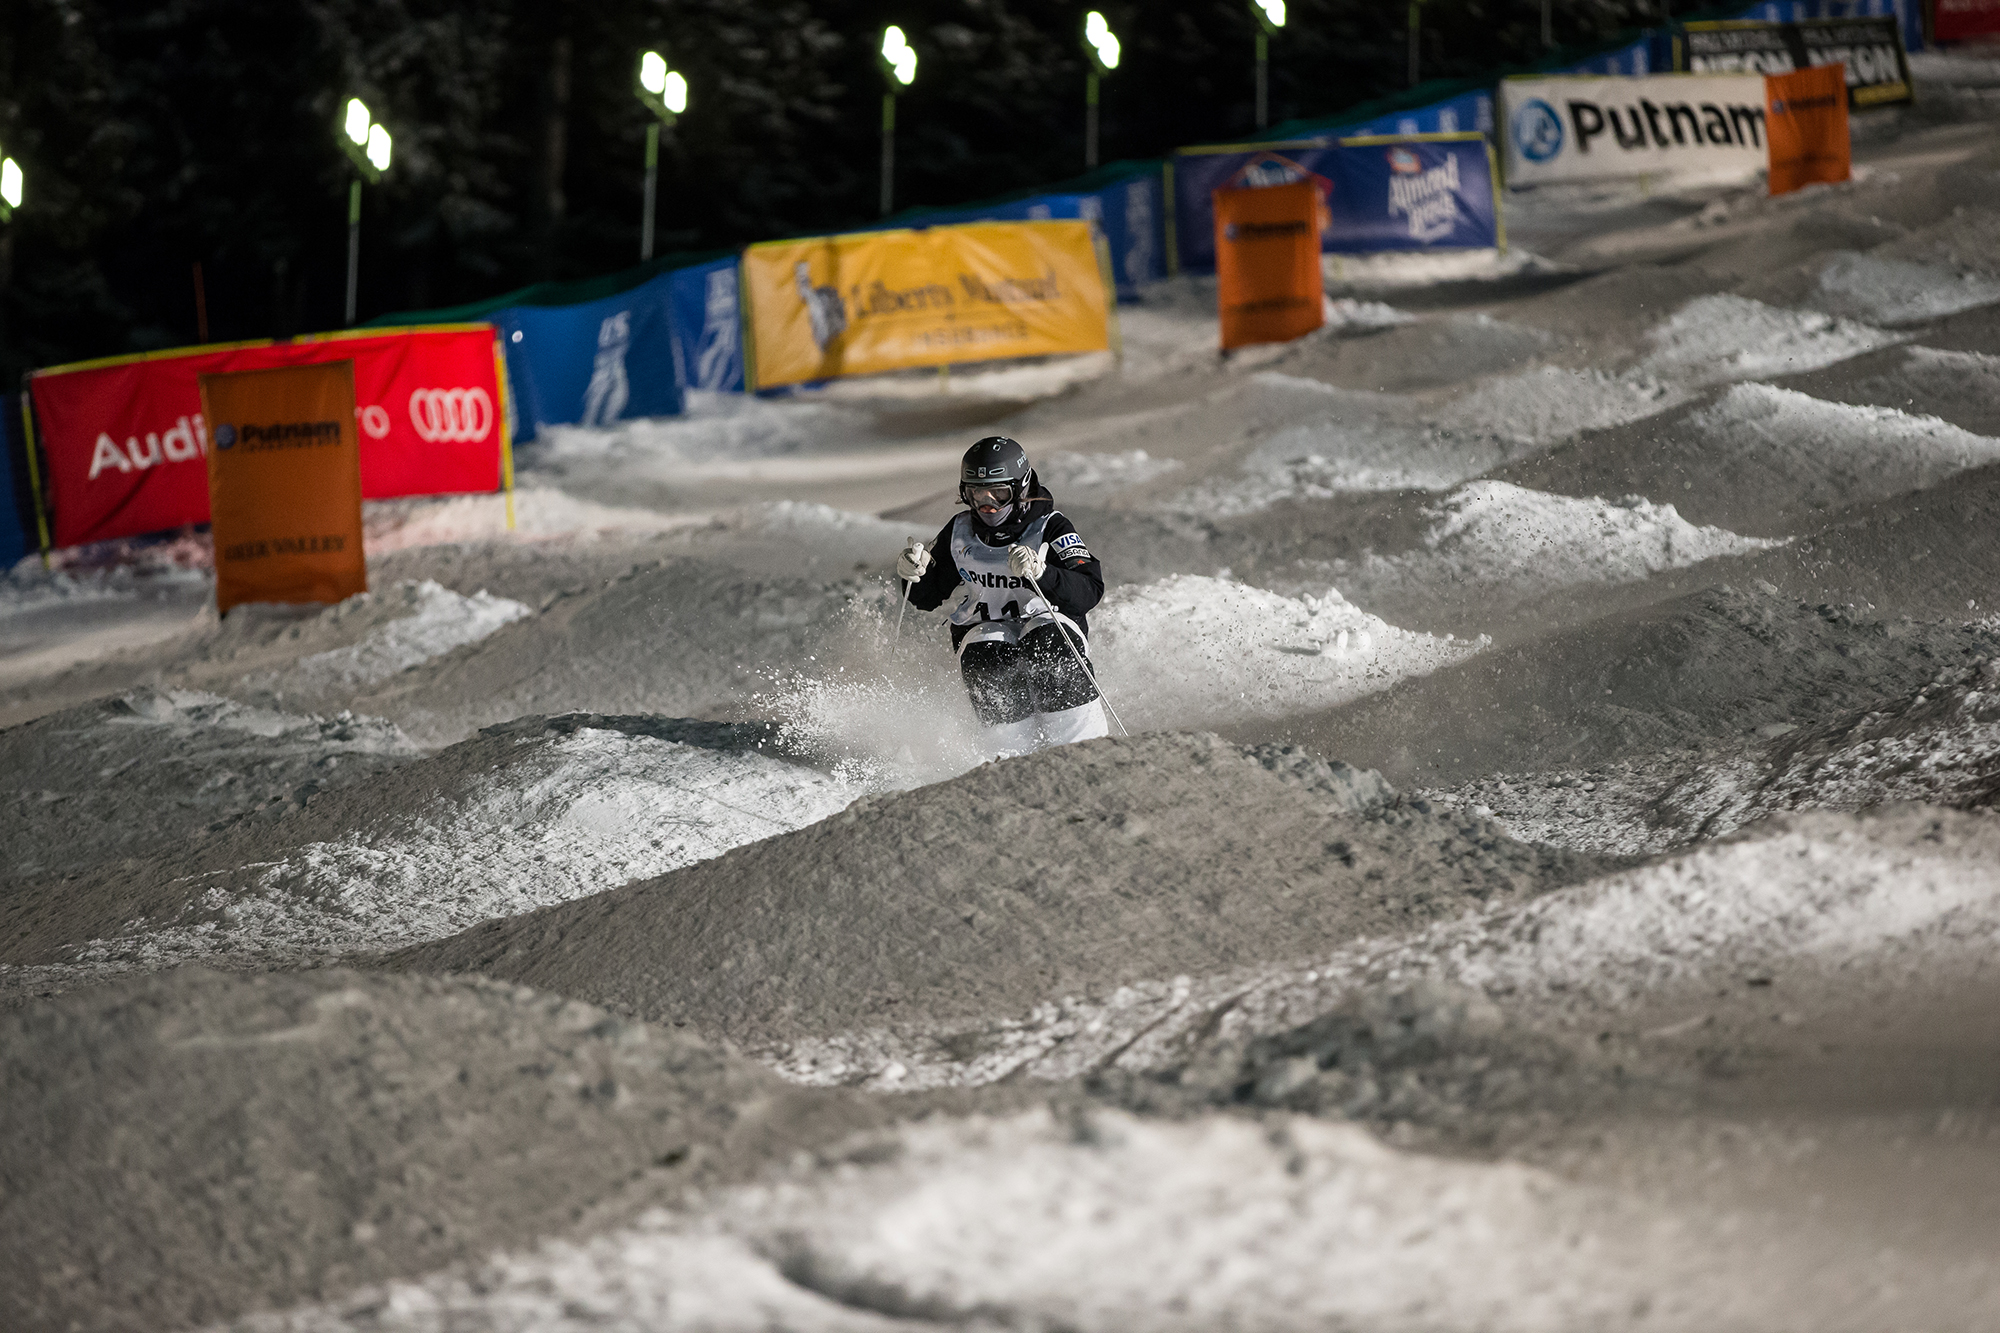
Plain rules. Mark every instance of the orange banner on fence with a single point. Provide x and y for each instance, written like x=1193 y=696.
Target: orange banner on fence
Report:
x=892 y=300
x=1269 y=288
x=1805 y=123
x=284 y=484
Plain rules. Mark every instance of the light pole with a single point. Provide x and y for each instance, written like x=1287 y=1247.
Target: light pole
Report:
x=367 y=146
x=1270 y=16
x=1416 y=50
x=1100 y=46
x=665 y=93
x=899 y=70
x=1548 y=24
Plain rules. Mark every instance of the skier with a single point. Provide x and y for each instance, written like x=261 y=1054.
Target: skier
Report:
x=1028 y=582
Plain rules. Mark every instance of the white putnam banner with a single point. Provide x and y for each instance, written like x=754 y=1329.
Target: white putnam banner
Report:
x=1599 y=127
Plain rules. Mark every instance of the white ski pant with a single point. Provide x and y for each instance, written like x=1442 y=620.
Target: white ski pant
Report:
x=1034 y=692
x=1085 y=722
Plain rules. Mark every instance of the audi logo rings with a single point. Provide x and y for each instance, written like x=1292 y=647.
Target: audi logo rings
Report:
x=451 y=416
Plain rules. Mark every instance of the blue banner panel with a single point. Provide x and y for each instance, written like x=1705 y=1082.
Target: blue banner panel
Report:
x=1198 y=173
x=1637 y=58
x=1407 y=195
x=1455 y=115
x=16 y=518
x=707 y=326
x=1130 y=213
x=1909 y=14
x=592 y=364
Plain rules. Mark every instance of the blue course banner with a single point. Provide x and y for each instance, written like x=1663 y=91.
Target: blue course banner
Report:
x=1130 y=213
x=1454 y=115
x=708 y=327
x=1909 y=14
x=1405 y=194
x=14 y=520
x=1637 y=58
x=592 y=364
x=1389 y=193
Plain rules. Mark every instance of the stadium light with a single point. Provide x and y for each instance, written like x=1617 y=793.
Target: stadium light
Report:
x=899 y=71
x=1100 y=46
x=1100 y=42
x=664 y=90
x=357 y=121
x=367 y=145
x=10 y=187
x=898 y=56
x=1270 y=16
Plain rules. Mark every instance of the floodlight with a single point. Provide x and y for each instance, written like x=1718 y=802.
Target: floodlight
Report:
x=653 y=73
x=357 y=121
x=10 y=182
x=1270 y=12
x=898 y=55
x=378 y=147
x=675 y=92
x=1104 y=43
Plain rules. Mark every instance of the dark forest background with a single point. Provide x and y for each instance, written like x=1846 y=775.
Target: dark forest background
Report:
x=158 y=135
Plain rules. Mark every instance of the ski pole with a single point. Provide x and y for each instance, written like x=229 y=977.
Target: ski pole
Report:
x=1088 y=675
x=904 y=604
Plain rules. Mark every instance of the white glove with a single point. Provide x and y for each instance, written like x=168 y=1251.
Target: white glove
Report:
x=1026 y=562
x=912 y=563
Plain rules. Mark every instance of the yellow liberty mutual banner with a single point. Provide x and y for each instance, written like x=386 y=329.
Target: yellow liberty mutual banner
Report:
x=893 y=300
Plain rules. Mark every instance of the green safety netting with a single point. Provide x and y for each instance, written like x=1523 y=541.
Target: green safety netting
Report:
x=1433 y=90
x=1107 y=175
x=552 y=293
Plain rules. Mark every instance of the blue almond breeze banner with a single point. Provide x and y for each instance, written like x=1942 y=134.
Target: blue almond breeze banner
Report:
x=1425 y=192
x=592 y=364
x=707 y=326
x=1404 y=194
x=1129 y=211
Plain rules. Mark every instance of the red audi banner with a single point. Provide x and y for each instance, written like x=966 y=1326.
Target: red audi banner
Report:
x=127 y=447
x=1959 y=20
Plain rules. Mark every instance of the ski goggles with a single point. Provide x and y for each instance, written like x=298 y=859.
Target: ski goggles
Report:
x=983 y=496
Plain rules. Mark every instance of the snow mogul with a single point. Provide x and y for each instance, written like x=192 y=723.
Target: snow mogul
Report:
x=1027 y=582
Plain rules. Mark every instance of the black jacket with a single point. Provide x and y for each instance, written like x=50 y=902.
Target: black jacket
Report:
x=1073 y=581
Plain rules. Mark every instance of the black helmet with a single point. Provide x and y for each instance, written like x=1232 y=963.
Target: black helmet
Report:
x=994 y=461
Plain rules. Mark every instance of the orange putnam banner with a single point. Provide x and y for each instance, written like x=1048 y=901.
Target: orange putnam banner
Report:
x=893 y=300
x=1805 y=120
x=284 y=484
x=1268 y=283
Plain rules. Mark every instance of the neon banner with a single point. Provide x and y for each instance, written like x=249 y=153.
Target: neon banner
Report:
x=894 y=300
x=1869 y=48
x=127 y=442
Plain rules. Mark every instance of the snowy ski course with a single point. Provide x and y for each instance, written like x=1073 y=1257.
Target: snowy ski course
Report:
x=1550 y=884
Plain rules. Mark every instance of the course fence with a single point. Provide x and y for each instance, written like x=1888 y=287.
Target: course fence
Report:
x=1413 y=171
